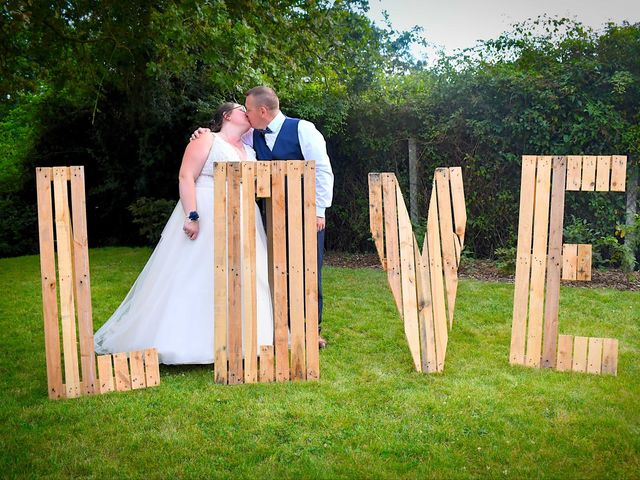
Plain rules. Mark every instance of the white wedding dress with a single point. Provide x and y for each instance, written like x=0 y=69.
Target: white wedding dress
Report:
x=170 y=306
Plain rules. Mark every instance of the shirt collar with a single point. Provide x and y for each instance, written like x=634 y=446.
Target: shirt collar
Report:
x=276 y=123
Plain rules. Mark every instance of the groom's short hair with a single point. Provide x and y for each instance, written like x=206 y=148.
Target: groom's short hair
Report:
x=265 y=96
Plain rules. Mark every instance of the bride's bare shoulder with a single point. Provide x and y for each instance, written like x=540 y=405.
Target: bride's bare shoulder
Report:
x=200 y=146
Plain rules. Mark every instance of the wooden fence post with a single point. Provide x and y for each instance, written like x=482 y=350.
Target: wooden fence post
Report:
x=413 y=180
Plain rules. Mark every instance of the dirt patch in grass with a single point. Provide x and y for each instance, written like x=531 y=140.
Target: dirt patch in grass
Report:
x=486 y=270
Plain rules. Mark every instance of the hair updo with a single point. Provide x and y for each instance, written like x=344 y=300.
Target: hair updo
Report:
x=219 y=116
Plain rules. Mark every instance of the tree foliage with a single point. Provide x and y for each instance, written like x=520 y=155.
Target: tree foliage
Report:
x=549 y=87
x=118 y=86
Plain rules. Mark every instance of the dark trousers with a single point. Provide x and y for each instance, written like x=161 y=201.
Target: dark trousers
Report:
x=320 y=260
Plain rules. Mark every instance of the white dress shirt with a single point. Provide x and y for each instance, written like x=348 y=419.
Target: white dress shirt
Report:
x=313 y=147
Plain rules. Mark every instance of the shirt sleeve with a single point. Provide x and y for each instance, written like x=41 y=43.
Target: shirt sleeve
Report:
x=247 y=138
x=314 y=147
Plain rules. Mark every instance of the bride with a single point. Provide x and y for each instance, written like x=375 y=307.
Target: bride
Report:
x=170 y=306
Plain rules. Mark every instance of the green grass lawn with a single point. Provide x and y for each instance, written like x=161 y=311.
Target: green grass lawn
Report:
x=370 y=415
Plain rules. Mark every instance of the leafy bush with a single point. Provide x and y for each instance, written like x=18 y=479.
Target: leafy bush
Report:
x=18 y=227
x=151 y=215
x=623 y=232
x=19 y=122
x=608 y=248
x=506 y=258
x=577 y=230
x=609 y=252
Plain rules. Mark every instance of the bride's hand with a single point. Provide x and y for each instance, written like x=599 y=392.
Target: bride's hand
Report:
x=191 y=229
x=198 y=132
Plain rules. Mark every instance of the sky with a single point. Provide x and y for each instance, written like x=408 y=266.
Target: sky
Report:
x=458 y=24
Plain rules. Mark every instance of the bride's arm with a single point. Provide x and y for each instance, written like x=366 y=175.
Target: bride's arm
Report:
x=195 y=155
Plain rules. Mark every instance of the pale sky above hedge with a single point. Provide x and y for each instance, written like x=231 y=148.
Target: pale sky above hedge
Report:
x=458 y=24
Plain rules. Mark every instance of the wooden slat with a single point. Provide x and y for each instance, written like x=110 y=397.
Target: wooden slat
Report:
x=523 y=261
x=121 y=366
x=105 y=373
x=610 y=356
x=574 y=172
x=65 y=275
x=220 y=272
x=267 y=374
x=279 y=259
x=594 y=357
x=408 y=281
x=579 y=363
x=151 y=367
x=311 y=271
x=392 y=245
x=376 y=224
x=234 y=272
x=263 y=183
x=82 y=280
x=565 y=347
x=48 y=280
x=445 y=220
x=618 y=173
x=432 y=254
x=603 y=170
x=458 y=249
x=458 y=202
x=584 y=262
x=249 y=273
x=136 y=362
x=569 y=261
x=554 y=263
x=538 y=262
x=588 y=173
x=296 y=274
x=425 y=311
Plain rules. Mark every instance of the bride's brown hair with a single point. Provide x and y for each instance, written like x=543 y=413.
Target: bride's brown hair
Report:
x=219 y=116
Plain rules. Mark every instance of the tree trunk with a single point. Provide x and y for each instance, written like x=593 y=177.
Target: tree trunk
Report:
x=413 y=181
x=631 y=238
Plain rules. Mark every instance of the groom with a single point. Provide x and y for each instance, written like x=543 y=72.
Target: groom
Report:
x=277 y=137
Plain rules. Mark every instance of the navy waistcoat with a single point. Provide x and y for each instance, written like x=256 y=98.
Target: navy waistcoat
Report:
x=287 y=146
